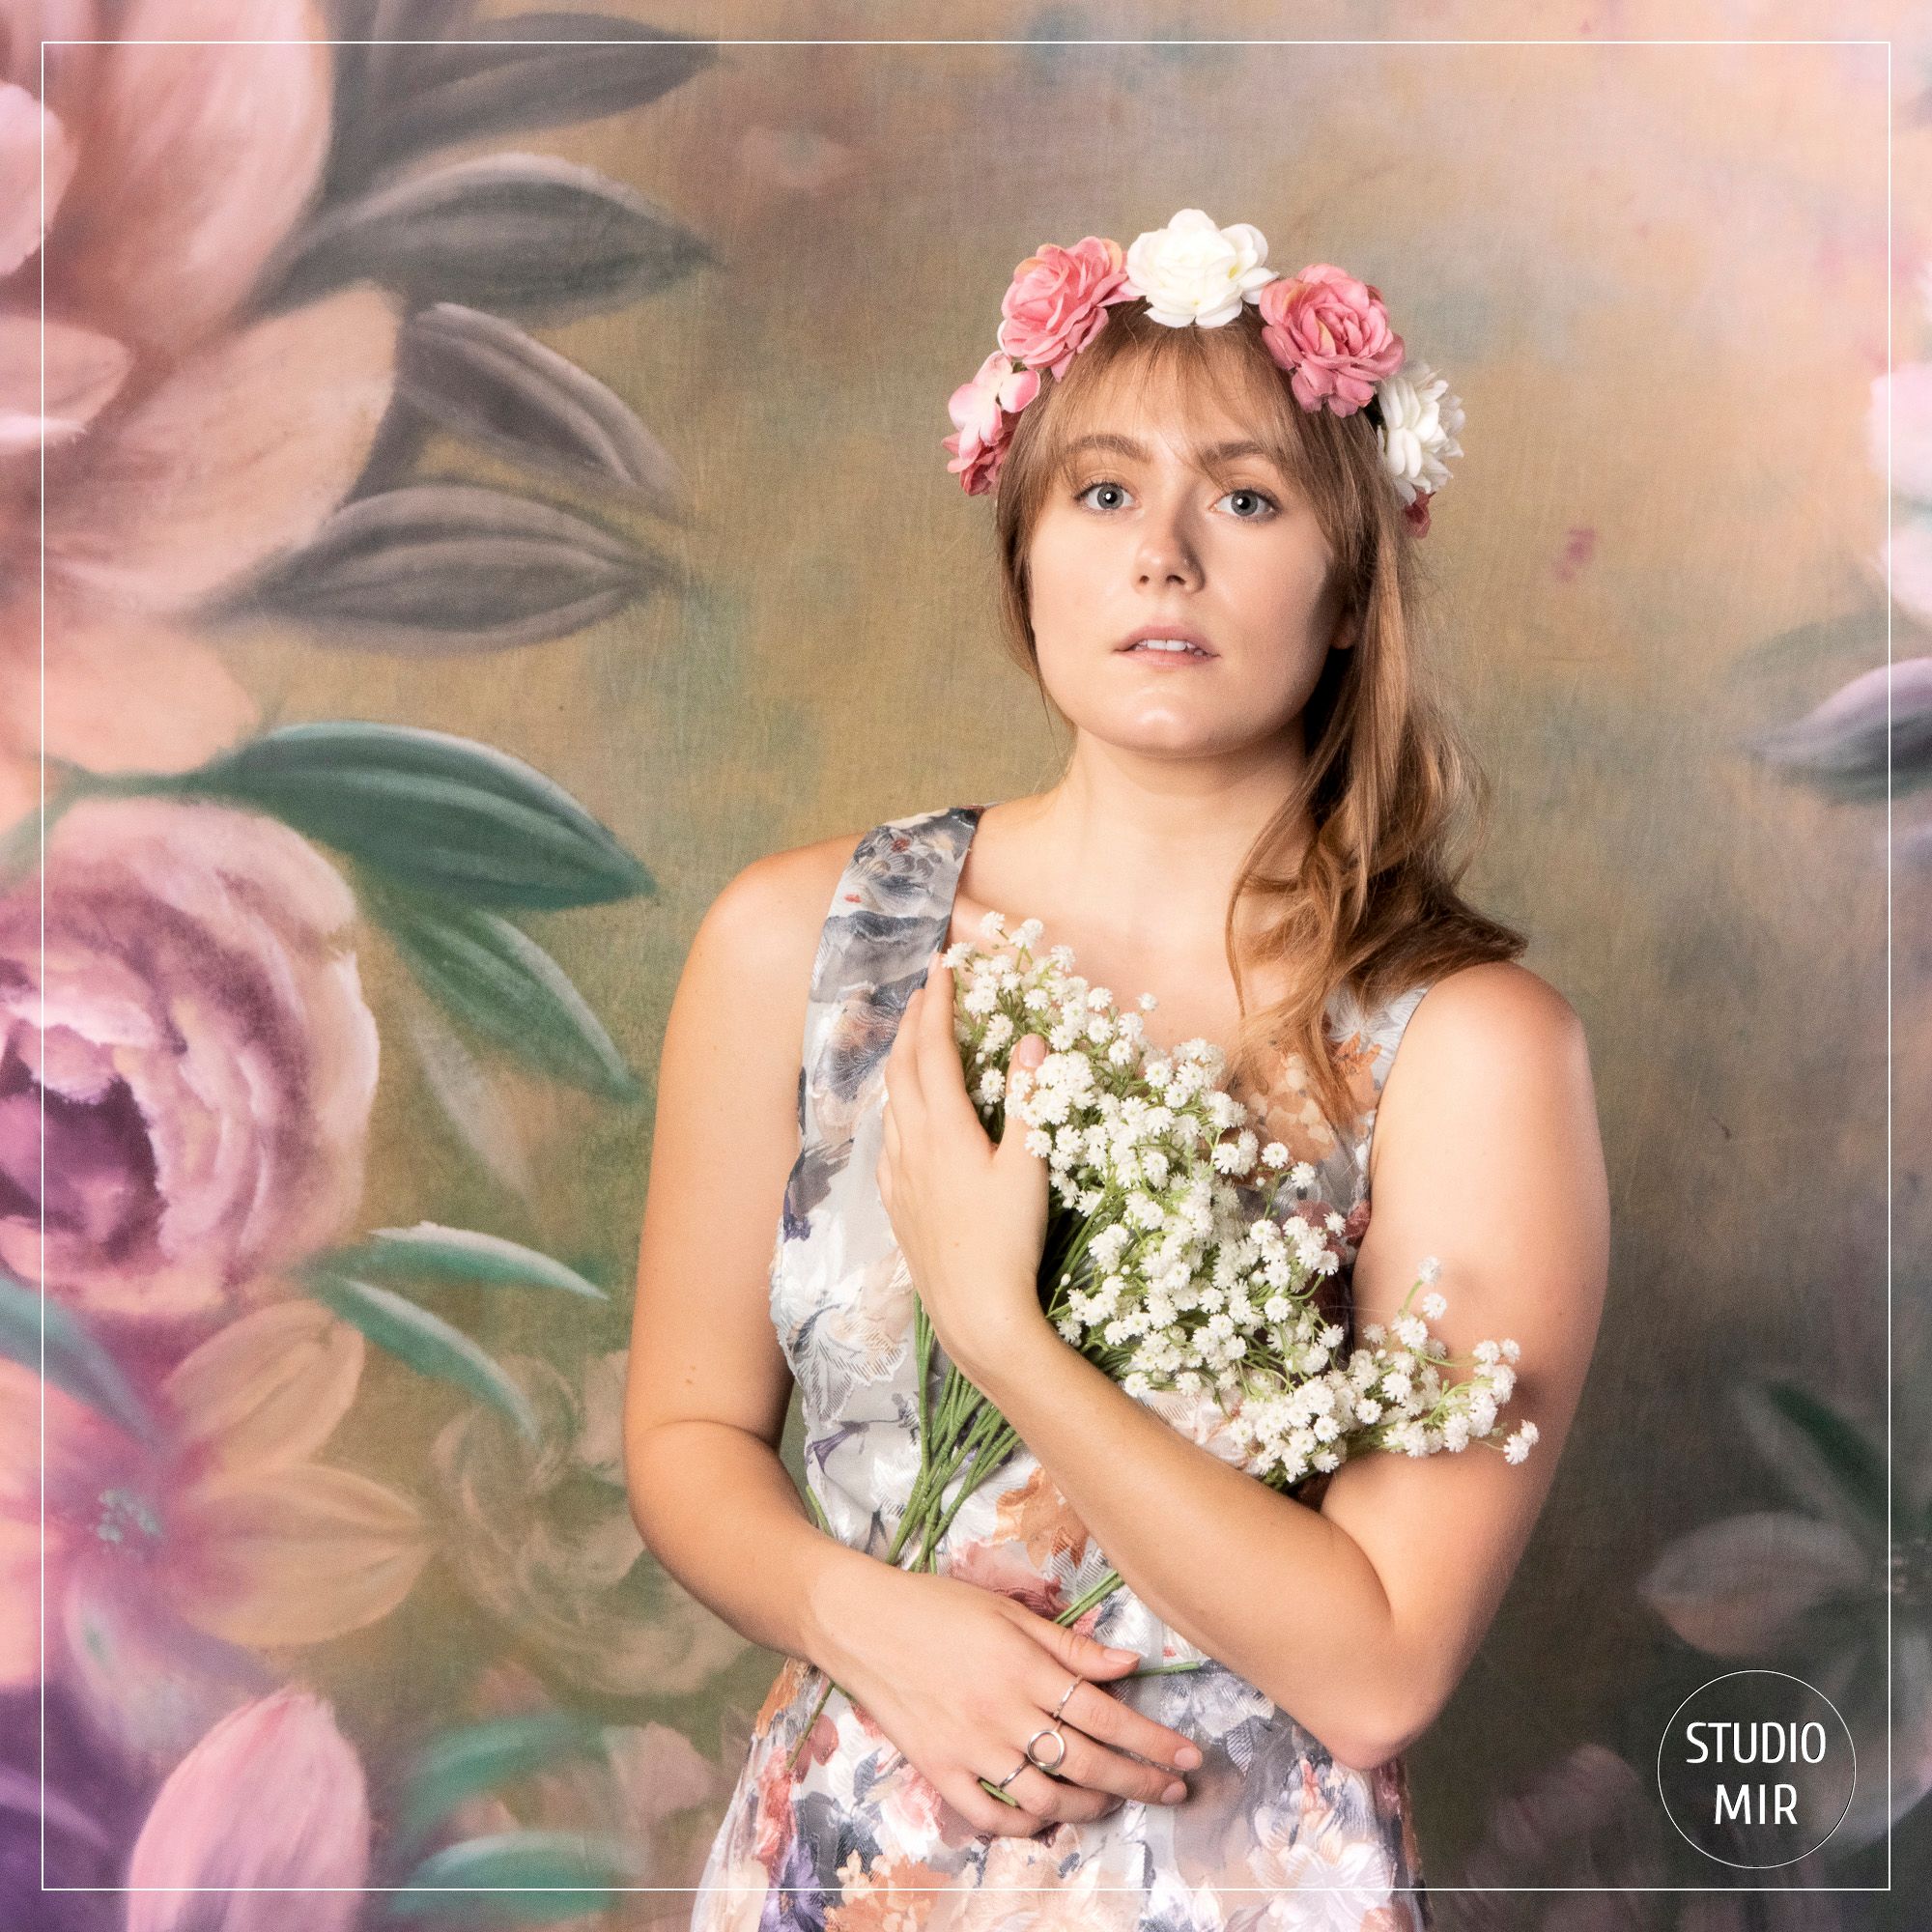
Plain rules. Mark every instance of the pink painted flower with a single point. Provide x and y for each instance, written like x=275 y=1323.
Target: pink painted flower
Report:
x=206 y=1059
x=184 y=438
x=1331 y=333
x=263 y=1826
x=169 y=1562
x=1057 y=301
x=981 y=409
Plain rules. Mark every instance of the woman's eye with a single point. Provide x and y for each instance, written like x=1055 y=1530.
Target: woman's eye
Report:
x=1261 y=505
x=1253 y=497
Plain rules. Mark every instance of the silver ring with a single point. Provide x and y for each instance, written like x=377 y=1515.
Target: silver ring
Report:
x=1065 y=1694
x=1015 y=1773
x=1047 y=1731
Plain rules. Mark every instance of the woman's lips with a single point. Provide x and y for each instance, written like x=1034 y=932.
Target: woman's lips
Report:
x=1143 y=655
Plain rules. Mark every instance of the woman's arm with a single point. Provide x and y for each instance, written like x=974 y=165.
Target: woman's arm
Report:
x=1360 y=1618
x=958 y=1676
x=708 y=1384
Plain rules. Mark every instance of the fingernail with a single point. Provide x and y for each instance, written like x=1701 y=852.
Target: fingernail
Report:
x=1174 y=1792
x=1188 y=1757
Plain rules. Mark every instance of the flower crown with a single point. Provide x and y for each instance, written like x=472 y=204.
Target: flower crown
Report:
x=1327 y=330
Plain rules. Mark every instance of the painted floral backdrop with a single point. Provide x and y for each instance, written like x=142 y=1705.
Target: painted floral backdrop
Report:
x=471 y=481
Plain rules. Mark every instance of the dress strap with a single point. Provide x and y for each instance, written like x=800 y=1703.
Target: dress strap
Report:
x=1381 y=1034
x=889 y=913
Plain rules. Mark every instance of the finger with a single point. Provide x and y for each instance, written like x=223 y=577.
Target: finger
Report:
x=1090 y=1704
x=942 y=1074
x=1060 y=1796
x=985 y=1812
x=1091 y=1764
x=903 y=1062
x=1105 y=1718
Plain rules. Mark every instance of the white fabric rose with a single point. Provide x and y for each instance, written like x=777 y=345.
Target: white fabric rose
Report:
x=1193 y=271
x=1419 y=422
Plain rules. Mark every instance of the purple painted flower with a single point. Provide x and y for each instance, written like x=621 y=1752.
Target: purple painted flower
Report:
x=205 y=1059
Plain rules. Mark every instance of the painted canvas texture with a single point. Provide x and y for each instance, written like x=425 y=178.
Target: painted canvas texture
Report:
x=474 y=482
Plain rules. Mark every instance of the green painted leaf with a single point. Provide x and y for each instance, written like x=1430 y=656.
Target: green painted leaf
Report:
x=76 y=1362
x=519 y=1877
x=426 y=1342
x=459 y=1256
x=492 y=974
x=461 y=1763
x=438 y=811
x=1825 y=1461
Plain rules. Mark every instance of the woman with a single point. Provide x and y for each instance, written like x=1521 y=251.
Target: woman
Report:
x=1210 y=479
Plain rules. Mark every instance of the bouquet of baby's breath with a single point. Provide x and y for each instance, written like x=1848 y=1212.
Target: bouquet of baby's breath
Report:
x=1181 y=1255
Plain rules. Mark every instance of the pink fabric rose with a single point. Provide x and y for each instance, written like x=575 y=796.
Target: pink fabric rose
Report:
x=1057 y=301
x=981 y=409
x=206 y=1058
x=1332 y=334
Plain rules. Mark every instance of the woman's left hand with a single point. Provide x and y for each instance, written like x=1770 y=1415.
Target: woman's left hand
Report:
x=969 y=1213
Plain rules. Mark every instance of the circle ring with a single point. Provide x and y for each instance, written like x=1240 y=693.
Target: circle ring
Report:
x=1053 y=1732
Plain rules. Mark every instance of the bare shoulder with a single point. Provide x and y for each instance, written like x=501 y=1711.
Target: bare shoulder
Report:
x=1496 y=1015
x=768 y=917
x=1487 y=1042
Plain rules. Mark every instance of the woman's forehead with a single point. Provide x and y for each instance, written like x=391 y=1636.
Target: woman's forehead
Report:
x=1172 y=408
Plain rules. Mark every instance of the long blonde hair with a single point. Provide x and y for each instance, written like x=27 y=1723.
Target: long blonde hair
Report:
x=1398 y=802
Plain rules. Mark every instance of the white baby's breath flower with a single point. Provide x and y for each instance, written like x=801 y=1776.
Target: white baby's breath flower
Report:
x=1189 y=1282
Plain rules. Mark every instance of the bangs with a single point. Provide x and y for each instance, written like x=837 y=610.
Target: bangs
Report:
x=1148 y=363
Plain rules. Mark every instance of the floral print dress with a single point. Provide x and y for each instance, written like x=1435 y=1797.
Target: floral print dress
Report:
x=1274 y=1836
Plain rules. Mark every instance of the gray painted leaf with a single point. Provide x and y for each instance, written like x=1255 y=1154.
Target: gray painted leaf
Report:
x=374 y=39
x=436 y=811
x=526 y=234
x=536 y=70
x=1840 y=745
x=441 y=568
x=489 y=381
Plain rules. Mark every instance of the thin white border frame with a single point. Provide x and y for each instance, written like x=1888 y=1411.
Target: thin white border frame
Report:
x=695 y=1893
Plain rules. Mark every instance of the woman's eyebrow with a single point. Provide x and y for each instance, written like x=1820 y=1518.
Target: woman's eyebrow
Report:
x=1138 y=452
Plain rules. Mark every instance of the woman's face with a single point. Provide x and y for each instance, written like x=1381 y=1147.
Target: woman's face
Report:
x=1142 y=537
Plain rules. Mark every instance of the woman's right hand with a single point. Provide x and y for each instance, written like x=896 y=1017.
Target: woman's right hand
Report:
x=960 y=1677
